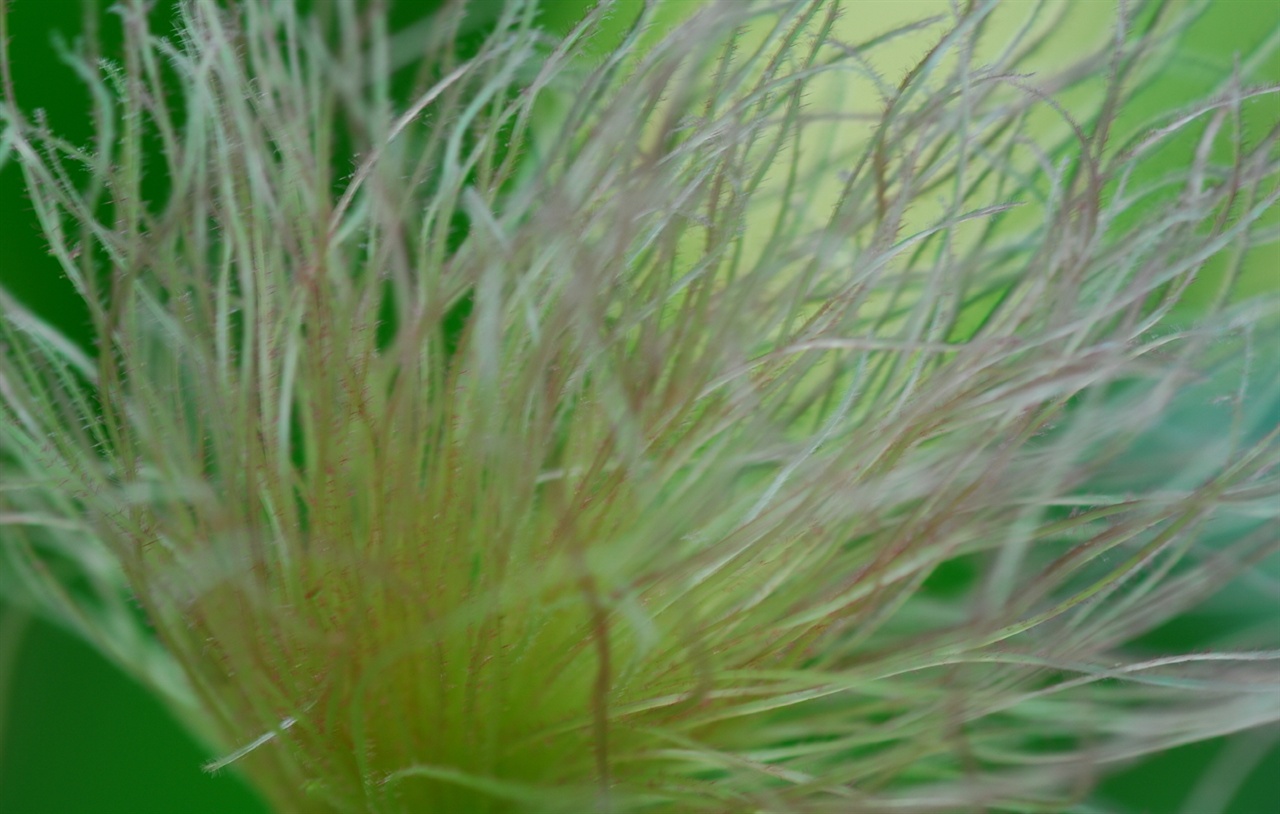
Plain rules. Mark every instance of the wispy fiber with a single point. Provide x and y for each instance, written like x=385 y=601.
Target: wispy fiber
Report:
x=724 y=423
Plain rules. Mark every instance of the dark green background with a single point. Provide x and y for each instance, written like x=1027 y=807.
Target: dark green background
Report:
x=79 y=737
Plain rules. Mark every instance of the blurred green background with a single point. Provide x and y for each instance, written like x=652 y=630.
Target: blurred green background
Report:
x=78 y=737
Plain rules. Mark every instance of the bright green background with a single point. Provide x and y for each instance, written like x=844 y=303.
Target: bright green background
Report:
x=78 y=737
